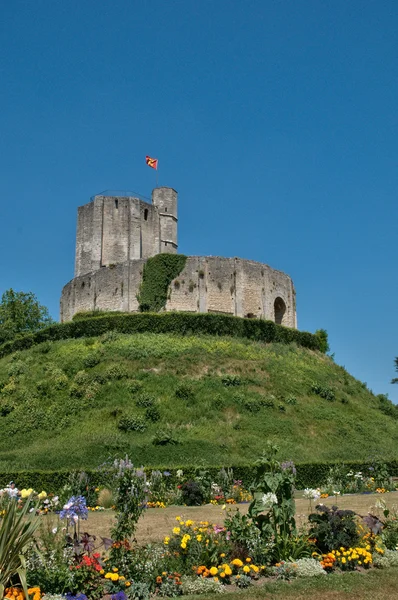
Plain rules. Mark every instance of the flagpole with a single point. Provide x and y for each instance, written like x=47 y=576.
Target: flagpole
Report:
x=157 y=178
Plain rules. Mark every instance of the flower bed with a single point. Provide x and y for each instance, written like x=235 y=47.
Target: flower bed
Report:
x=195 y=557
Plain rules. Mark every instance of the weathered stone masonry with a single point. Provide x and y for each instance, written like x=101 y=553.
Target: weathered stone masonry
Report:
x=115 y=236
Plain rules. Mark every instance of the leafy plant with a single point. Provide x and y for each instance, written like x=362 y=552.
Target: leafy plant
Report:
x=323 y=392
x=333 y=528
x=17 y=529
x=185 y=392
x=192 y=493
x=132 y=422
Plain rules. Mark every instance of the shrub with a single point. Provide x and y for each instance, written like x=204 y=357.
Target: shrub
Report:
x=323 y=392
x=105 y=498
x=16 y=368
x=380 y=562
x=252 y=405
x=231 y=380
x=145 y=401
x=309 y=567
x=115 y=372
x=192 y=493
x=60 y=382
x=152 y=413
x=110 y=325
x=92 y=360
x=392 y=556
x=134 y=386
x=185 y=392
x=332 y=528
x=132 y=423
x=201 y=585
x=267 y=402
x=292 y=400
x=81 y=378
x=164 y=437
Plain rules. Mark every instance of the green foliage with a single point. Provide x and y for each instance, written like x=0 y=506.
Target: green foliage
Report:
x=159 y=272
x=132 y=422
x=333 y=528
x=128 y=506
x=178 y=323
x=185 y=392
x=322 y=336
x=323 y=391
x=17 y=528
x=20 y=312
x=273 y=507
x=231 y=380
x=386 y=406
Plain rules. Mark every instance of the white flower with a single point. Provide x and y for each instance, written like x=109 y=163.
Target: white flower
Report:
x=350 y=474
x=336 y=493
x=312 y=494
x=358 y=475
x=55 y=530
x=269 y=500
x=180 y=473
x=75 y=518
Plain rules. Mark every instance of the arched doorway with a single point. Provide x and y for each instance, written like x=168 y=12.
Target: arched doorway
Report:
x=279 y=310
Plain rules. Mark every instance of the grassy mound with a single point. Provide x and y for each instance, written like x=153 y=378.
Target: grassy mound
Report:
x=171 y=400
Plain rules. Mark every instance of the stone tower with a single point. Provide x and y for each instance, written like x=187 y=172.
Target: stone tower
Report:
x=113 y=229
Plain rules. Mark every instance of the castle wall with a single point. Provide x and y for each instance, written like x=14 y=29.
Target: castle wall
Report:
x=207 y=284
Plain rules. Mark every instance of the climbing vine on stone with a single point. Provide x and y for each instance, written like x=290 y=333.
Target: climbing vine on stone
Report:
x=159 y=272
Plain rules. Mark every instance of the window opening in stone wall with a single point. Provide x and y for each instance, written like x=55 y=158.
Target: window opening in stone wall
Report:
x=165 y=210
x=279 y=310
x=165 y=243
x=146 y=214
x=116 y=203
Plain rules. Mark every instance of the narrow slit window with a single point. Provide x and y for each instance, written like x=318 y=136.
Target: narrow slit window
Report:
x=146 y=214
x=116 y=203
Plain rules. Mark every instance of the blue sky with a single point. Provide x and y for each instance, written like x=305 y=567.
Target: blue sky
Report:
x=276 y=121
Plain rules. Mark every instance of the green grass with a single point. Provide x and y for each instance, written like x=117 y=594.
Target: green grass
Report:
x=66 y=398
x=374 y=585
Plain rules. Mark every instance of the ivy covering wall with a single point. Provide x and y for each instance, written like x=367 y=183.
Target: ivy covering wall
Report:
x=159 y=272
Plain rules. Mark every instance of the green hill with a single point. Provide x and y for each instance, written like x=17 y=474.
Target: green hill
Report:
x=171 y=400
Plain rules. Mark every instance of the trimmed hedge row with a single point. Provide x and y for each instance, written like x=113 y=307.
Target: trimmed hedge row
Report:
x=171 y=322
x=308 y=475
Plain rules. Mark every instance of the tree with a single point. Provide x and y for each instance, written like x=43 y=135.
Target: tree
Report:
x=20 y=312
x=395 y=380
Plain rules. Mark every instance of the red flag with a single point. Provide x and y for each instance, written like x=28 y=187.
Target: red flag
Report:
x=152 y=162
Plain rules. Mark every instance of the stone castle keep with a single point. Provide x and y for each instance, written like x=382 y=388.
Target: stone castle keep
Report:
x=117 y=234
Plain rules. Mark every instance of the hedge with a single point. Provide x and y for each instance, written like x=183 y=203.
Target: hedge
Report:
x=170 y=322
x=308 y=475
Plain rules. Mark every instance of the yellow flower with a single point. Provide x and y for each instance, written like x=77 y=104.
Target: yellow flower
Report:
x=199 y=538
x=176 y=530
x=188 y=523
x=166 y=540
x=222 y=555
x=42 y=495
x=178 y=518
x=183 y=545
x=248 y=559
x=228 y=570
x=213 y=571
x=222 y=575
x=246 y=569
x=237 y=562
x=108 y=576
x=343 y=560
x=115 y=577
x=127 y=584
